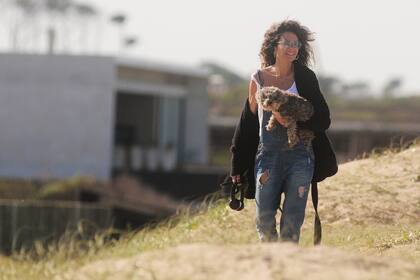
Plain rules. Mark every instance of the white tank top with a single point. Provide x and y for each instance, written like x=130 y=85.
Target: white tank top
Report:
x=254 y=77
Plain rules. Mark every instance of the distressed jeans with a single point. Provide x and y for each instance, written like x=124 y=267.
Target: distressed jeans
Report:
x=278 y=172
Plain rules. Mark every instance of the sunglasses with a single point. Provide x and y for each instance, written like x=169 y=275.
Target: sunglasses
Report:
x=290 y=44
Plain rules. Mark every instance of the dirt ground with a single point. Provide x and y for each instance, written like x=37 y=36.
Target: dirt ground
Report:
x=259 y=261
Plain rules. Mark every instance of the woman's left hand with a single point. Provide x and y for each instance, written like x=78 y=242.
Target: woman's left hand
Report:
x=280 y=119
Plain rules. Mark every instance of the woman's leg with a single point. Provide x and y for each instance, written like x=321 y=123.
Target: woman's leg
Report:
x=296 y=188
x=267 y=198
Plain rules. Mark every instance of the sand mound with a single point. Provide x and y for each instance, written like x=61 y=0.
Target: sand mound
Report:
x=380 y=190
x=259 y=261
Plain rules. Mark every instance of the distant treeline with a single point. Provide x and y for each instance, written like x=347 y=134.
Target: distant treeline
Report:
x=352 y=102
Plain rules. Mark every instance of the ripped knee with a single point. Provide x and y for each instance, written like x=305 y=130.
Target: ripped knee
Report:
x=264 y=177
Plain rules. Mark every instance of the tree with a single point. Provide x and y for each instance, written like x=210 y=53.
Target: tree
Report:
x=84 y=14
x=26 y=22
x=119 y=20
x=30 y=19
x=331 y=87
x=391 y=87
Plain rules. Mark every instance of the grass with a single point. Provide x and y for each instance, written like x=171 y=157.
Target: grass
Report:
x=62 y=188
x=47 y=189
x=378 y=218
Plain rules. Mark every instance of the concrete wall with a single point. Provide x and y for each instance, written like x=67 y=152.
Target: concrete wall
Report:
x=196 y=134
x=56 y=115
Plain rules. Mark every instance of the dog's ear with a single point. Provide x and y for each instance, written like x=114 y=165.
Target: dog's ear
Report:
x=307 y=110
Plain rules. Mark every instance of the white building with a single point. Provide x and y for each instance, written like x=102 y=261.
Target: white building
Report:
x=64 y=115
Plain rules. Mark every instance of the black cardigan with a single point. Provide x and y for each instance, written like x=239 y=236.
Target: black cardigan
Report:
x=246 y=139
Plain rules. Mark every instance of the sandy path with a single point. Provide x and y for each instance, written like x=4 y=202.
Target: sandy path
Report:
x=260 y=261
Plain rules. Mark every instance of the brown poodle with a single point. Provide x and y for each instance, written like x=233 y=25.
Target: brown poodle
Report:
x=292 y=108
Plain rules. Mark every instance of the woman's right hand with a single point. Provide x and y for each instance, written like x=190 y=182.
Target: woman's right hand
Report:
x=236 y=179
x=280 y=119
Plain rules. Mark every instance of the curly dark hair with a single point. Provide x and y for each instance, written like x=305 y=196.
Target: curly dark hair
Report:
x=273 y=34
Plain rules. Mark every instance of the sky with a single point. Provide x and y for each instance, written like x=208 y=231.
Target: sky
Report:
x=356 y=41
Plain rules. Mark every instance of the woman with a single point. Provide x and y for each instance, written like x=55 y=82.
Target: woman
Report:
x=285 y=54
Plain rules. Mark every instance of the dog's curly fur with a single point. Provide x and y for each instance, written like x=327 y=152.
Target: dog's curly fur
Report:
x=292 y=108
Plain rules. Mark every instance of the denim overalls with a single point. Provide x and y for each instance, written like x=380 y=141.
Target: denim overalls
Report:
x=290 y=171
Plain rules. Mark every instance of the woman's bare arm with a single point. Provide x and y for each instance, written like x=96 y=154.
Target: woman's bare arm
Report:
x=252 y=97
